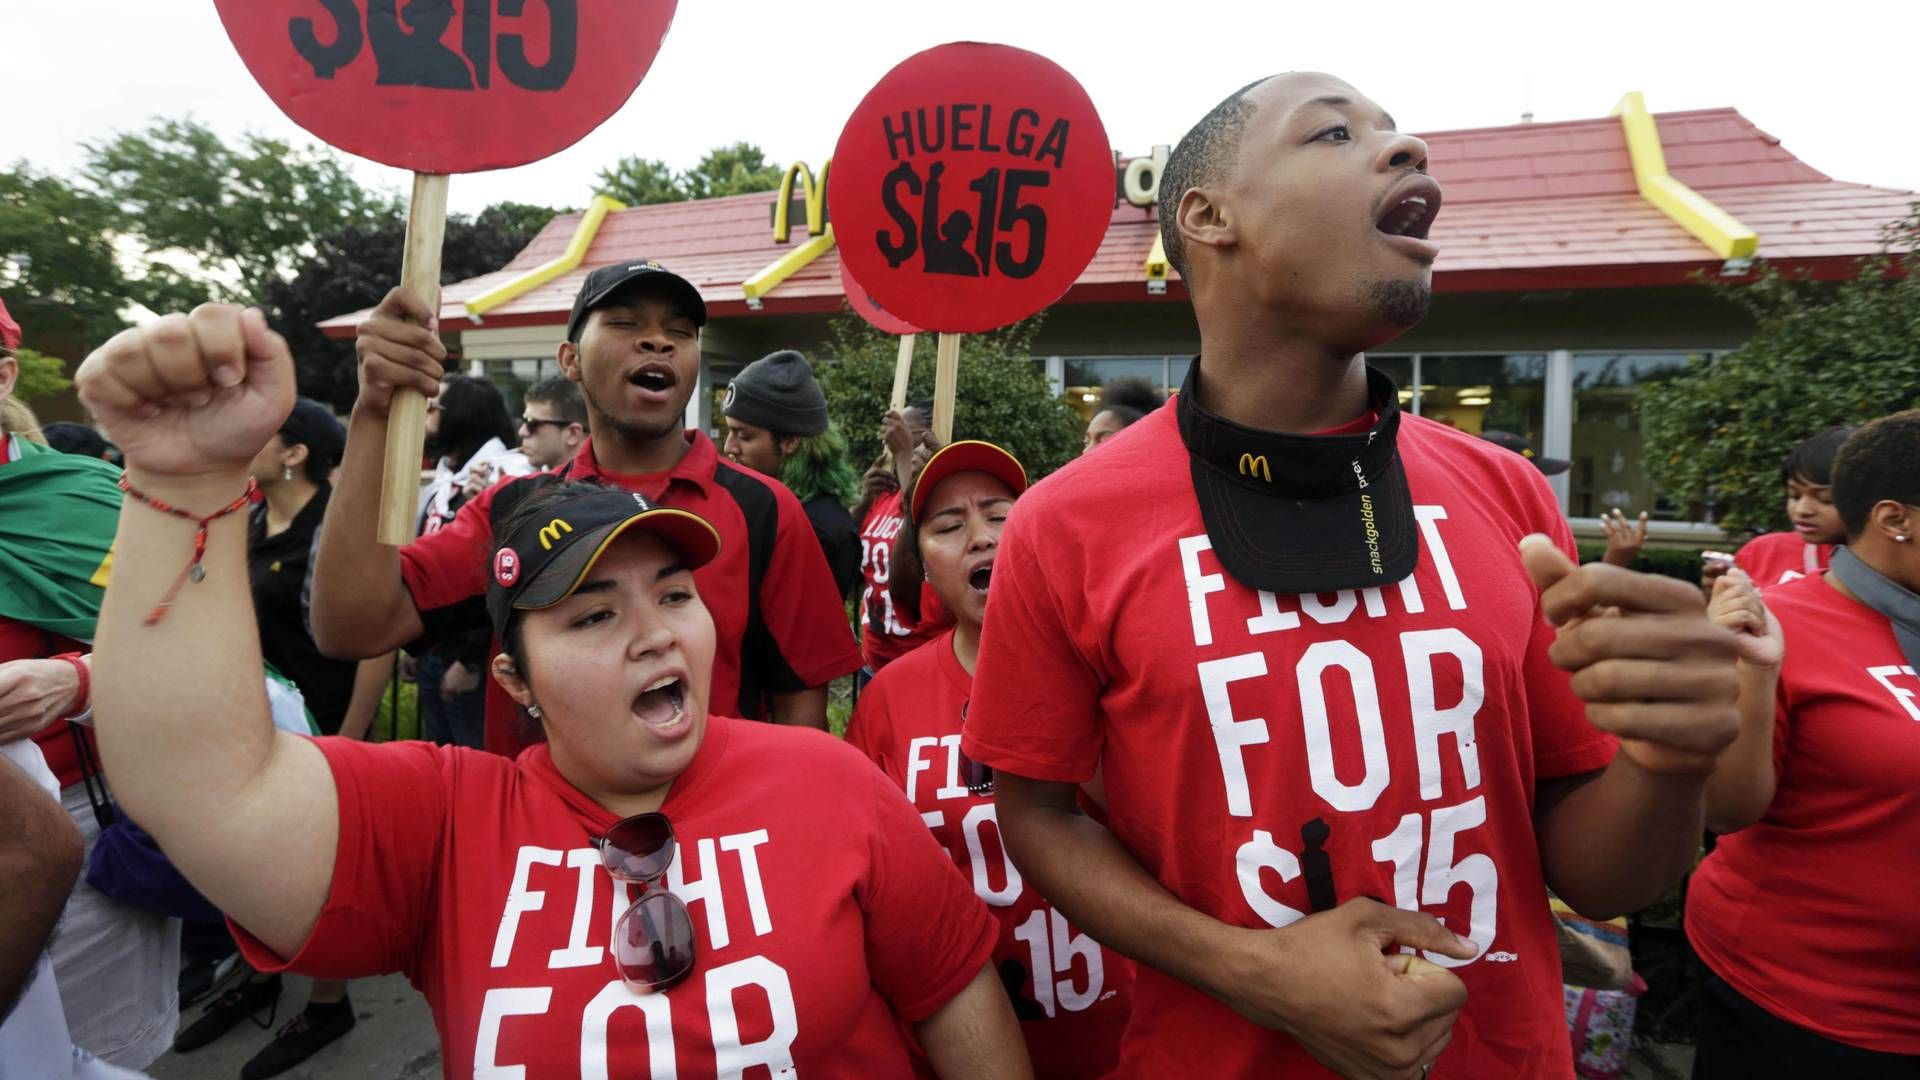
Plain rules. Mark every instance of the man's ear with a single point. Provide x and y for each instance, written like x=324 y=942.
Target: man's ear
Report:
x=569 y=359
x=1894 y=518
x=1204 y=220
x=512 y=680
x=788 y=445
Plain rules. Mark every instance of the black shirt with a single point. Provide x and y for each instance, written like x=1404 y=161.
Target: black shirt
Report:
x=834 y=527
x=278 y=567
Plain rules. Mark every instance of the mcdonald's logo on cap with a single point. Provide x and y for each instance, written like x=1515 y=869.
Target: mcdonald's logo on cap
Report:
x=550 y=535
x=1250 y=465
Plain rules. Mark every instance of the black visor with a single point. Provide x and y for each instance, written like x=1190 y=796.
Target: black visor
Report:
x=1303 y=513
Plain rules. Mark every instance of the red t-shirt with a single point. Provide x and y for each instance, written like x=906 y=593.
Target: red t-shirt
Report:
x=1805 y=912
x=1258 y=750
x=908 y=722
x=797 y=639
x=21 y=641
x=884 y=636
x=823 y=914
x=1776 y=557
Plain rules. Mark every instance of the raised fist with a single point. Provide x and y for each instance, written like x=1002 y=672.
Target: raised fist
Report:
x=191 y=396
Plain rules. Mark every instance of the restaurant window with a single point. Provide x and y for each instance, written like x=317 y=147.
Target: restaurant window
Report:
x=1609 y=460
x=512 y=377
x=1085 y=376
x=1494 y=392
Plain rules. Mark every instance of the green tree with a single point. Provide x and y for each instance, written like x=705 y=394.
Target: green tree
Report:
x=353 y=267
x=731 y=170
x=1821 y=354
x=40 y=375
x=1003 y=394
x=639 y=181
x=57 y=268
x=725 y=170
x=219 y=219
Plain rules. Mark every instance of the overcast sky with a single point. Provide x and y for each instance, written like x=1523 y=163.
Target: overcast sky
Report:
x=1837 y=89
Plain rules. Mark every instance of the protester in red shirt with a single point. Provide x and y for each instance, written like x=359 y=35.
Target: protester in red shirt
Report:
x=1777 y=557
x=889 y=627
x=1072 y=994
x=1798 y=914
x=633 y=345
x=1311 y=669
x=678 y=892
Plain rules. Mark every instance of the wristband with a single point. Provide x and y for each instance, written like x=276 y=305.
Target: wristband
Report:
x=82 y=698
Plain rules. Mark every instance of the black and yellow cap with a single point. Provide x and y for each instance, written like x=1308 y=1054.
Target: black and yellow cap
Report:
x=548 y=557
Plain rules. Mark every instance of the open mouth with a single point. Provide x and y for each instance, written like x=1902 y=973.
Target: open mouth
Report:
x=654 y=380
x=662 y=704
x=980 y=578
x=1411 y=213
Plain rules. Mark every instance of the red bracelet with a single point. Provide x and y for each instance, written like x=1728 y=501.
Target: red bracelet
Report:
x=82 y=700
x=194 y=570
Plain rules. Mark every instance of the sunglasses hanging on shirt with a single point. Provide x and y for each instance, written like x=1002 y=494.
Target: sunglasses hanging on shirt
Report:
x=653 y=941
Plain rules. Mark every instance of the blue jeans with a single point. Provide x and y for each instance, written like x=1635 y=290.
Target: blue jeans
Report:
x=457 y=719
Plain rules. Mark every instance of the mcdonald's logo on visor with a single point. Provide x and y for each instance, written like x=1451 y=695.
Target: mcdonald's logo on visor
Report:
x=550 y=535
x=1251 y=465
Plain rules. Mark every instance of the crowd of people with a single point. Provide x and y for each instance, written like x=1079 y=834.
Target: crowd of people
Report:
x=1253 y=772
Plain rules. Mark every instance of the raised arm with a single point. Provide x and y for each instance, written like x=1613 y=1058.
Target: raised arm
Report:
x=361 y=607
x=248 y=813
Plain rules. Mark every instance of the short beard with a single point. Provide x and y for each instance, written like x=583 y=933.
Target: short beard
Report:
x=631 y=434
x=1401 y=303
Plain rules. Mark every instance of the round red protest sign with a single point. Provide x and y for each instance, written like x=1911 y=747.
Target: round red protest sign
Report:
x=448 y=86
x=865 y=306
x=971 y=187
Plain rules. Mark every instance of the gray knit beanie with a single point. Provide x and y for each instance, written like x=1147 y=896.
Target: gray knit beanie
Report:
x=778 y=392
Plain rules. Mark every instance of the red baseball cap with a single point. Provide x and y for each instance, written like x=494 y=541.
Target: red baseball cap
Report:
x=968 y=455
x=9 y=330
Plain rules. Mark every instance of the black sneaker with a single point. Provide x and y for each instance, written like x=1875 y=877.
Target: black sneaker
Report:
x=300 y=1039
x=227 y=1010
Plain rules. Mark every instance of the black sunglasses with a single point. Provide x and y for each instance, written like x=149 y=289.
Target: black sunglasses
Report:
x=653 y=941
x=533 y=425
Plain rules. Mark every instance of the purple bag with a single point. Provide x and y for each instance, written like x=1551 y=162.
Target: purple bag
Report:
x=126 y=864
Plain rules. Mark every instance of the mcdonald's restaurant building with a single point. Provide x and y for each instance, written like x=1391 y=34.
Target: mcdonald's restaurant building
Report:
x=1570 y=276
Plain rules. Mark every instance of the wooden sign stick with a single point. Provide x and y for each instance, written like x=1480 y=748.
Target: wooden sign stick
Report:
x=902 y=368
x=407 y=419
x=946 y=380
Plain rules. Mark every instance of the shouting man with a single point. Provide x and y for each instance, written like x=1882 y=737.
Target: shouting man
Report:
x=1320 y=679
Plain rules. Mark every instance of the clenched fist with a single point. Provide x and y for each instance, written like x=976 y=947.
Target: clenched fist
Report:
x=191 y=396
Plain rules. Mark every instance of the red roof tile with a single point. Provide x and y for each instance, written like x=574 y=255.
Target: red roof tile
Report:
x=1528 y=206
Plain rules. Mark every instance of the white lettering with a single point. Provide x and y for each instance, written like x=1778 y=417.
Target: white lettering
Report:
x=593 y=1032
x=1066 y=946
x=1316 y=725
x=1229 y=735
x=732 y=1057
x=744 y=843
x=1884 y=675
x=584 y=862
x=1009 y=891
x=953 y=788
x=1198 y=586
x=1429 y=720
x=521 y=899
x=1271 y=618
x=500 y=1003
x=705 y=891
x=1476 y=871
x=1430 y=533
x=917 y=764
x=1328 y=614
x=1261 y=853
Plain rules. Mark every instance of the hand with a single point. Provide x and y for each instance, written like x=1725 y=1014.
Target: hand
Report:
x=1624 y=538
x=479 y=478
x=458 y=680
x=399 y=348
x=192 y=397
x=33 y=694
x=1736 y=605
x=1710 y=572
x=922 y=453
x=1652 y=668
x=895 y=435
x=1333 y=982
x=879 y=480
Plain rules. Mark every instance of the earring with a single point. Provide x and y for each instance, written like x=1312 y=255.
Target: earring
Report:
x=286 y=472
x=533 y=711
x=1902 y=538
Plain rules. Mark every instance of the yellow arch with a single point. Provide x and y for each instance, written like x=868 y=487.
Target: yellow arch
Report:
x=575 y=254
x=1723 y=233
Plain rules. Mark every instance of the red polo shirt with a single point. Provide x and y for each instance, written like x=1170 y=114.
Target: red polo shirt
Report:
x=770 y=591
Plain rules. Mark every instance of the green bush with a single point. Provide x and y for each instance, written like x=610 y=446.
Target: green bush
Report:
x=1682 y=563
x=1003 y=394
x=391 y=724
x=1821 y=354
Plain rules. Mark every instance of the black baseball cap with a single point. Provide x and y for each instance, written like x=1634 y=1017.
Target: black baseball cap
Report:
x=1507 y=439
x=1303 y=513
x=548 y=557
x=604 y=282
